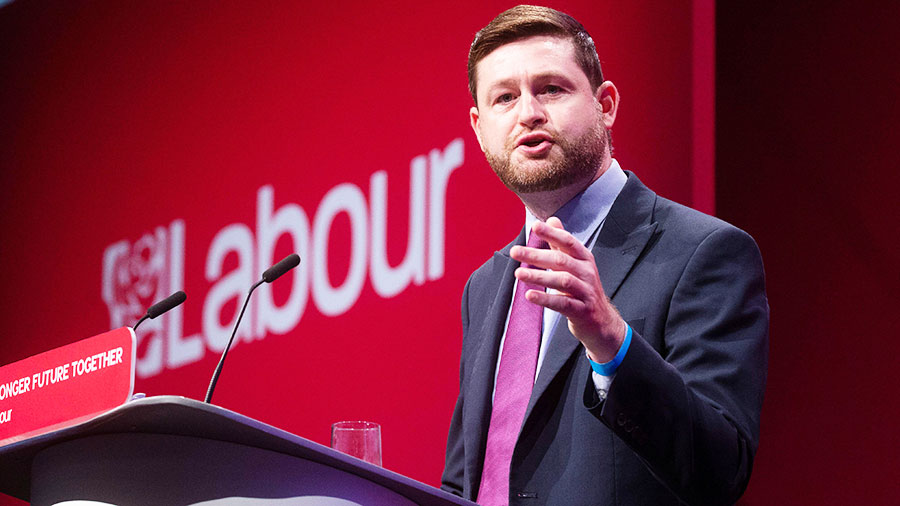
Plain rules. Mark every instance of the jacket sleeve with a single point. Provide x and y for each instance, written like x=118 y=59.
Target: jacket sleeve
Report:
x=691 y=410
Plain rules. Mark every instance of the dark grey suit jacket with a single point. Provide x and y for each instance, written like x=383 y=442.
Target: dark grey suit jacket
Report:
x=681 y=420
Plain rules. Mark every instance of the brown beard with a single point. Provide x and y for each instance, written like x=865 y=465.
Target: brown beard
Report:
x=581 y=158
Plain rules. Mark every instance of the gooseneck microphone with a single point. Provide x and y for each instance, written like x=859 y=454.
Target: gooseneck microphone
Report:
x=271 y=274
x=162 y=306
x=286 y=264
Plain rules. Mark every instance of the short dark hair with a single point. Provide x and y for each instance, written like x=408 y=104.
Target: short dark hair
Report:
x=523 y=21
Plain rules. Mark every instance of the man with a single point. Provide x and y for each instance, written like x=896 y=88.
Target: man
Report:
x=624 y=360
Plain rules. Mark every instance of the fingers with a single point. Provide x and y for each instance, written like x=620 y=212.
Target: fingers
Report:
x=561 y=281
x=567 y=306
x=558 y=239
x=556 y=260
x=574 y=288
x=570 y=261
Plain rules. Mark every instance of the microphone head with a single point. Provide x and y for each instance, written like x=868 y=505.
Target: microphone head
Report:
x=166 y=304
x=274 y=272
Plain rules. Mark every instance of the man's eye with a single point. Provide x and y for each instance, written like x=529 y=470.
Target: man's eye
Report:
x=552 y=89
x=505 y=98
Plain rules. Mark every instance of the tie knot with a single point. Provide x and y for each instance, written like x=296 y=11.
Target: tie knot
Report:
x=536 y=242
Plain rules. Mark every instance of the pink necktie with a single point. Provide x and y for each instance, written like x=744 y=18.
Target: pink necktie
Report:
x=515 y=380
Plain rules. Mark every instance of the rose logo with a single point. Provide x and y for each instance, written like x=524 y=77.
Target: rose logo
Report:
x=134 y=277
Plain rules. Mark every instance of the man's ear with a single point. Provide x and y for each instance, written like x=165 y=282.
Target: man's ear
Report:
x=608 y=98
x=473 y=117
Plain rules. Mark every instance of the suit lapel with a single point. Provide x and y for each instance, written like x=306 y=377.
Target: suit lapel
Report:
x=480 y=388
x=624 y=236
x=615 y=261
x=625 y=233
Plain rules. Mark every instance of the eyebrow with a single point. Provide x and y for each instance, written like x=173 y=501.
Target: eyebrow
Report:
x=544 y=76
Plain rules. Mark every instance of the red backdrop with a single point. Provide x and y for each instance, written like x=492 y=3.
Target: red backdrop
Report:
x=151 y=147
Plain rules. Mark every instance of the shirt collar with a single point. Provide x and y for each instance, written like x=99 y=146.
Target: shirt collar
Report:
x=584 y=213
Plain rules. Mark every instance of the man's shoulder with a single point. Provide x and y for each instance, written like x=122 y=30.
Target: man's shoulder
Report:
x=682 y=222
x=688 y=222
x=494 y=266
x=687 y=233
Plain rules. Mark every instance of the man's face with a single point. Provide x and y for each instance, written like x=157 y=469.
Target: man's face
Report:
x=537 y=119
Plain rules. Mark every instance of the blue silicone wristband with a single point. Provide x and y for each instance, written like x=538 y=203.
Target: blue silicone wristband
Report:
x=609 y=368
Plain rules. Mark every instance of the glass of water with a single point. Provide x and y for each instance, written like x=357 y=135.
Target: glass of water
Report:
x=358 y=439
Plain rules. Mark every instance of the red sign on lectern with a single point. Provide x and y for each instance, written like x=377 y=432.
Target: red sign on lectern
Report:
x=66 y=386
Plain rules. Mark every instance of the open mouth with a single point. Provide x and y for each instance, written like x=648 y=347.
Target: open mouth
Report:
x=535 y=144
x=534 y=140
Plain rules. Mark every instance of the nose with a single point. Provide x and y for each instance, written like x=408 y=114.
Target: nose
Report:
x=531 y=111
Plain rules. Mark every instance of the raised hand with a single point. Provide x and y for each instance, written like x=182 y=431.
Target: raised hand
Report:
x=573 y=288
